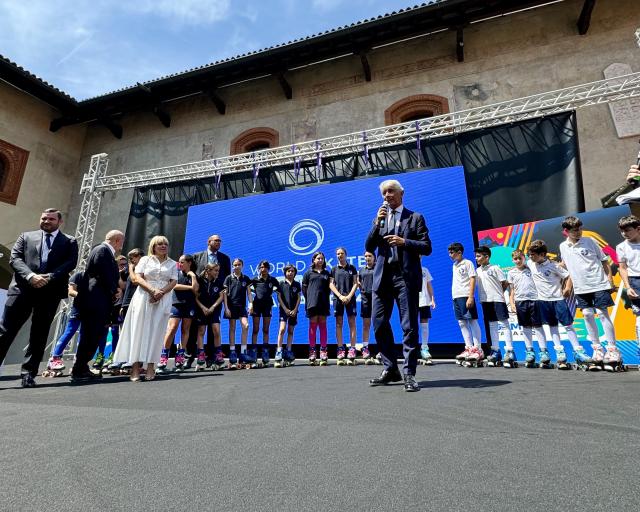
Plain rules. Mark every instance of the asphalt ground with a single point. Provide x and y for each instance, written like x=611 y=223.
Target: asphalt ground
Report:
x=319 y=438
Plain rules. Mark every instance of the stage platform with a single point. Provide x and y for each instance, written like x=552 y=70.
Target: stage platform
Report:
x=319 y=438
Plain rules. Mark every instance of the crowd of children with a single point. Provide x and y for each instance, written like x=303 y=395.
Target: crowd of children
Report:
x=535 y=290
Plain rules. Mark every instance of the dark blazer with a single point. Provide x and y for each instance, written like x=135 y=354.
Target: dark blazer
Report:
x=202 y=258
x=417 y=243
x=99 y=283
x=25 y=259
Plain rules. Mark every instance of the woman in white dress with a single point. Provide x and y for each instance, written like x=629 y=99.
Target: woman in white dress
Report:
x=142 y=333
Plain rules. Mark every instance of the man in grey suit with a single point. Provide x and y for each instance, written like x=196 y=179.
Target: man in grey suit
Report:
x=41 y=261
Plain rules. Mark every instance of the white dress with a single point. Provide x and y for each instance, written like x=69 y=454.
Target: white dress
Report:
x=142 y=333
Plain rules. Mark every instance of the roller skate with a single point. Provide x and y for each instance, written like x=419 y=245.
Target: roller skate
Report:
x=218 y=361
x=597 y=358
x=530 y=358
x=425 y=356
x=475 y=358
x=55 y=367
x=340 y=358
x=378 y=359
x=252 y=358
x=233 y=360
x=613 y=360
x=125 y=369
x=510 y=360
x=545 y=360
x=324 y=358
x=264 y=363
x=180 y=365
x=162 y=365
x=351 y=356
x=462 y=356
x=115 y=368
x=187 y=362
x=201 y=362
x=288 y=357
x=108 y=362
x=98 y=362
x=494 y=358
x=561 y=359
x=366 y=356
x=584 y=362
x=278 y=361
x=312 y=357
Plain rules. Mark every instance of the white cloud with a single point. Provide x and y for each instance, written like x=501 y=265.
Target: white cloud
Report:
x=191 y=12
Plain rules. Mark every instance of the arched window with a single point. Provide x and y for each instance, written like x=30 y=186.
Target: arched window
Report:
x=254 y=140
x=13 y=161
x=416 y=107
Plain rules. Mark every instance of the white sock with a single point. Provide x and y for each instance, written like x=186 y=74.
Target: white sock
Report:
x=592 y=327
x=555 y=337
x=527 y=333
x=365 y=343
x=507 y=333
x=607 y=325
x=573 y=337
x=466 y=333
x=425 y=333
x=243 y=349
x=232 y=348
x=476 y=333
x=541 y=336
x=494 y=334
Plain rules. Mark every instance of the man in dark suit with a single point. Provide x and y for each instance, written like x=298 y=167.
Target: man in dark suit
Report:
x=41 y=261
x=211 y=255
x=97 y=292
x=399 y=237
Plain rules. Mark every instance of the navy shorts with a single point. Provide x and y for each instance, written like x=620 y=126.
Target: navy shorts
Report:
x=183 y=311
x=213 y=318
x=339 y=308
x=237 y=312
x=461 y=311
x=317 y=311
x=425 y=313
x=553 y=312
x=365 y=305
x=292 y=320
x=528 y=313
x=495 y=311
x=262 y=309
x=634 y=282
x=600 y=299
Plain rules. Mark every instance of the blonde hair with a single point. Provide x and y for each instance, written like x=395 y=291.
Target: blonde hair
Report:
x=158 y=239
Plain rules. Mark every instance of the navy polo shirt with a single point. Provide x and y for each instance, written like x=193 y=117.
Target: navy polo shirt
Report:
x=344 y=277
x=290 y=293
x=366 y=279
x=237 y=290
x=209 y=291
x=264 y=289
x=315 y=286
x=184 y=297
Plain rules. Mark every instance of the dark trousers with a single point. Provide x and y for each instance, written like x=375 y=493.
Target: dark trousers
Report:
x=93 y=329
x=17 y=310
x=394 y=289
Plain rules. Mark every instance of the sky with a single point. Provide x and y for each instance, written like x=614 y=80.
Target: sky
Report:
x=91 y=47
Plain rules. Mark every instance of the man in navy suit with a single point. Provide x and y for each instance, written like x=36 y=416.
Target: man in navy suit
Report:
x=399 y=237
x=41 y=261
x=97 y=291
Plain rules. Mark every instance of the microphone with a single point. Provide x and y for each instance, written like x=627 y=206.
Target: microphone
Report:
x=383 y=222
x=610 y=199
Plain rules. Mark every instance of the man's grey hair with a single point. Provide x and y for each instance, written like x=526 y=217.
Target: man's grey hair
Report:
x=392 y=184
x=114 y=234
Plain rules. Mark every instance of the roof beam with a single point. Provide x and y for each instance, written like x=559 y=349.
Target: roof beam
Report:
x=585 y=16
x=221 y=107
x=286 y=87
x=365 y=66
x=112 y=126
x=156 y=105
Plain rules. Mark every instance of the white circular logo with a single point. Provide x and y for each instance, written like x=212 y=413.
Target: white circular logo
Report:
x=311 y=226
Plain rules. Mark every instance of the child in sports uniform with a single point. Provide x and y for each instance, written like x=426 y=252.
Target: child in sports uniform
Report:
x=315 y=287
x=263 y=287
x=209 y=302
x=289 y=301
x=343 y=284
x=426 y=303
x=629 y=259
x=365 y=283
x=236 y=293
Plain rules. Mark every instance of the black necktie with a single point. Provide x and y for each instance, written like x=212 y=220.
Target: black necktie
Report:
x=43 y=262
x=48 y=240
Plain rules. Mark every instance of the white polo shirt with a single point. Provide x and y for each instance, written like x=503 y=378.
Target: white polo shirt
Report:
x=425 y=297
x=584 y=263
x=630 y=254
x=523 y=284
x=548 y=278
x=463 y=271
x=490 y=278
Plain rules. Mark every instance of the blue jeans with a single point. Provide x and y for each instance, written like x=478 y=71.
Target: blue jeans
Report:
x=72 y=326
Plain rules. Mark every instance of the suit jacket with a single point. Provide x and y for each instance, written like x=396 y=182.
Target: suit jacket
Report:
x=417 y=243
x=202 y=258
x=99 y=283
x=25 y=259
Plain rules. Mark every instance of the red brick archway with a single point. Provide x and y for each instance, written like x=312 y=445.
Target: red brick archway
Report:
x=414 y=107
x=254 y=139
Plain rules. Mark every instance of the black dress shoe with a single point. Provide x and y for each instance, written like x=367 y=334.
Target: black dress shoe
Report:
x=386 y=377
x=410 y=383
x=85 y=377
x=28 y=381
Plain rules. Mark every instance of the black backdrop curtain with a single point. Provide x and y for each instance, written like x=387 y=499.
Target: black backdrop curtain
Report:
x=515 y=173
